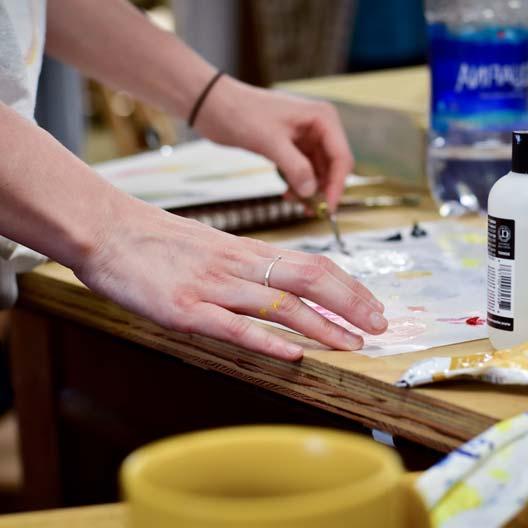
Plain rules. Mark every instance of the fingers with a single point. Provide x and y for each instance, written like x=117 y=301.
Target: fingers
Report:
x=269 y=252
x=334 y=144
x=336 y=271
x=314 y=282
x=219 y=323
x=295 y=166
x=315 y=154
x=335 y=184
x=285 y=308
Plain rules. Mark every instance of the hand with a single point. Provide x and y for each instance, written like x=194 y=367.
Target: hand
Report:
x=304 y=138
x=192 y=278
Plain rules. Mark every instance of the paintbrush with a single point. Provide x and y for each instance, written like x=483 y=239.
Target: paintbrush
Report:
x=318 y=204
x=406 y=200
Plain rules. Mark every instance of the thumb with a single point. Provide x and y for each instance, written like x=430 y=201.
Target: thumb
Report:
x=296 y=168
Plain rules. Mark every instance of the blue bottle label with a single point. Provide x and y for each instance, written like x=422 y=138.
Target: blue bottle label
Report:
x=479 y=77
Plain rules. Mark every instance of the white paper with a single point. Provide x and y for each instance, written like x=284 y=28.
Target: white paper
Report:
x=198 y=173
x=433 y=288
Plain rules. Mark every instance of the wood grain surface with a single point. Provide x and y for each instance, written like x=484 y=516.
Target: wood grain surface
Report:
x=345 y=383
x=107 y=516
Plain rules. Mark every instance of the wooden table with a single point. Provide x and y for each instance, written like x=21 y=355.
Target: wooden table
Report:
x=107 y=516
x=93 y=381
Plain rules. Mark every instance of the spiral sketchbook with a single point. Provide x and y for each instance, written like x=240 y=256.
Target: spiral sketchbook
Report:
x=225 y=187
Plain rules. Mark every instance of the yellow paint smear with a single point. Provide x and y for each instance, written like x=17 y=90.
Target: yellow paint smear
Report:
x=476 y=239
x=516 y=358
x=461 y=498
x=408 y=275
x=277 y=303
x=505 y=425
x=499 y=474
x=275 y=306
x=470 y=263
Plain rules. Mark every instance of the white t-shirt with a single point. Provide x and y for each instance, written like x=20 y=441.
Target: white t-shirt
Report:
x=22 y=34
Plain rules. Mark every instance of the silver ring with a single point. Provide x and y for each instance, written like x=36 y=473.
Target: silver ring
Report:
x=268 y=271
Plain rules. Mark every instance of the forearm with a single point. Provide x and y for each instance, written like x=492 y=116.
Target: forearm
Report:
x=113 y=42
x=50 y=200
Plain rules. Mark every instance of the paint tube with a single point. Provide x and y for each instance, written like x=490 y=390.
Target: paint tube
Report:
x=482 y=483
x=502 y=367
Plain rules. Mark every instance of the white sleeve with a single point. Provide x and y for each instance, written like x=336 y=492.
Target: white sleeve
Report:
x=14 y=258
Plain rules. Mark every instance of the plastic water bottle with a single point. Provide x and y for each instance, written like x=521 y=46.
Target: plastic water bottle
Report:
x=479 y=93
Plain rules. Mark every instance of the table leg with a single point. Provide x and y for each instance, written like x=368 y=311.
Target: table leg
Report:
x=32 y=364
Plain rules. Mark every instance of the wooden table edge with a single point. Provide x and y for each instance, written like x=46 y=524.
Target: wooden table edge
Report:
x=376 y=404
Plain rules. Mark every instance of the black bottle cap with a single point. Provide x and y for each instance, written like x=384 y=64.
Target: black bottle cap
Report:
x=520 y=151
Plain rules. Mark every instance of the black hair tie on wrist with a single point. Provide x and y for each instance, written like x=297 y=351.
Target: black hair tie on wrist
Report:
x=201 y=98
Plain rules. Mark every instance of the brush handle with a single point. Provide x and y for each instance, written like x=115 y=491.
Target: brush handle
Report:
x=317 y=203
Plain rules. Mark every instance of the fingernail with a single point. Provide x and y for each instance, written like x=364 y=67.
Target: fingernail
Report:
x=294 y=350
x=378 y=306
x=354 y=342
x=377 y=321
x=307 y=188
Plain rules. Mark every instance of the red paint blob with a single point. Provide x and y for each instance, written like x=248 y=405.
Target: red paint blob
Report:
x=475 y=321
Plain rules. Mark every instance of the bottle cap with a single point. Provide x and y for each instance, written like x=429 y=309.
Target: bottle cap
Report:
x=520 y=151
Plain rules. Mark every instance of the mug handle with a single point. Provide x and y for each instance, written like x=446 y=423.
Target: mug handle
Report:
x=417 y=515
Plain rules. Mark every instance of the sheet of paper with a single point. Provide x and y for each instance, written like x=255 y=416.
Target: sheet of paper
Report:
x=433 y=287
x=199 y=172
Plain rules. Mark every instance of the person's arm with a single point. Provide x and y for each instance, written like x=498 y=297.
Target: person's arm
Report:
x=174 y=271
x=114 y=42
x=50 y=200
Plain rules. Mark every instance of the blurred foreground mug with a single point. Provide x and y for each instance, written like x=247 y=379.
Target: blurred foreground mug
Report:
x=269 y=476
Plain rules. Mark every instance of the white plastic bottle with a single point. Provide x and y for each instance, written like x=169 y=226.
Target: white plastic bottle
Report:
x=508 y=251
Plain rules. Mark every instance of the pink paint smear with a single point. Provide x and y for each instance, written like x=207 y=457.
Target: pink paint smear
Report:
x=400 y=330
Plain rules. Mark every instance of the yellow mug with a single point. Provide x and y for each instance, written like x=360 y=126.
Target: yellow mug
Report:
x=269 y=476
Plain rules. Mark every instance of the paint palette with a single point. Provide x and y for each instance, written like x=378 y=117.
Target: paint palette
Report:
x=433 y=286
x=366 y=261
